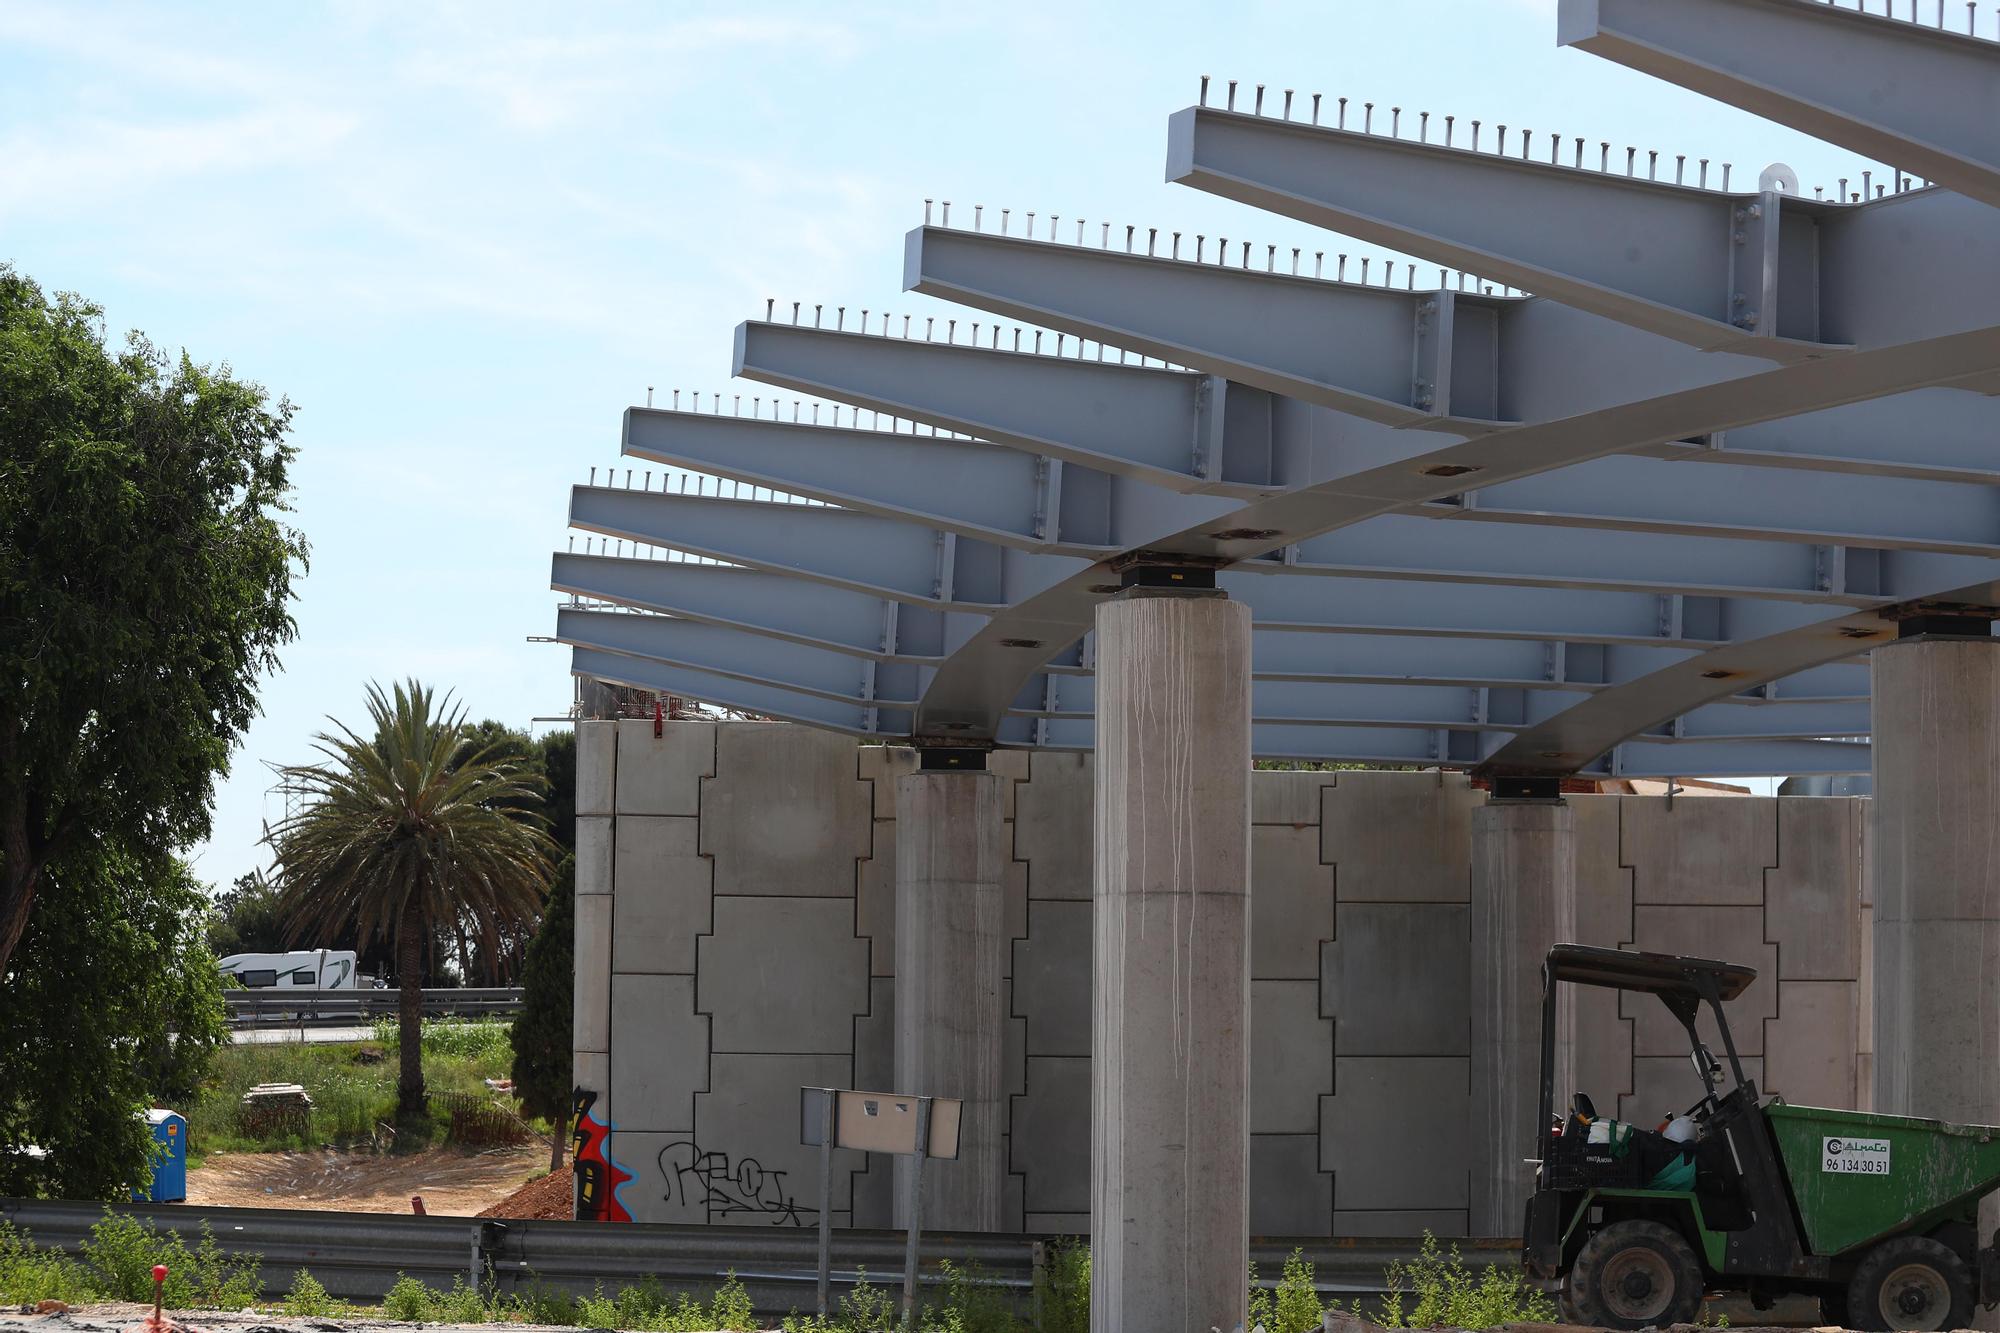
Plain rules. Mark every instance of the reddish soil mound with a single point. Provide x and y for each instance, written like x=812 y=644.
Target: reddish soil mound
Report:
x=549 y=1197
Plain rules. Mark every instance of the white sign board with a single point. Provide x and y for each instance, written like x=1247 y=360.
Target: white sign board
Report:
x=1854 y=1157
x=879 y=1122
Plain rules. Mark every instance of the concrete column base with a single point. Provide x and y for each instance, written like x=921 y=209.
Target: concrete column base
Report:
x=951 y=958
x=1523 y=901
x=1170 y=1067
x=1937 y=885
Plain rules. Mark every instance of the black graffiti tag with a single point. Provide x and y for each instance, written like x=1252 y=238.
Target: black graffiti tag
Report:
x=742 y=1191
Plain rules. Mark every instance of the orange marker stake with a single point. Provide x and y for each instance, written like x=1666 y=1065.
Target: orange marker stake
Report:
x=159 y=1294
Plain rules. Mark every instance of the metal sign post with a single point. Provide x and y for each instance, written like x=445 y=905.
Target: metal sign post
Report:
x=916 y=1210
x=884 y=1122
x=829 y=1111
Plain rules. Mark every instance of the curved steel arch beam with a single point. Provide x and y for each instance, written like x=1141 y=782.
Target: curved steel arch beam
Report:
x=969 y=690
x=1598 y=724
x=1899 y=92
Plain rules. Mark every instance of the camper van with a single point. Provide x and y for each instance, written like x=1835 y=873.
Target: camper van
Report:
x=314 y=969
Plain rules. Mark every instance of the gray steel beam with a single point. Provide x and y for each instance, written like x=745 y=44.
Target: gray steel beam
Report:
x=840 y=678
x=1813 y=277
x=1532 y=360
x=1920 y=97
x=1039 y=504
x=819 y=617
x=1166 y=430
x=1370 y=352
x=1638 y=758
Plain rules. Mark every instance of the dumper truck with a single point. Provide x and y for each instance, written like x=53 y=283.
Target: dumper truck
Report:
x=1630 y=1226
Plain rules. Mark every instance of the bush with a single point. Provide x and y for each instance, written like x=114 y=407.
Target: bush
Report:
x=410 y=1301
x=1063 y=1292
x=308 y=1299
x=122 y=1250
x=1293 y=1306
x=29 y=1275
x=1447 y=1294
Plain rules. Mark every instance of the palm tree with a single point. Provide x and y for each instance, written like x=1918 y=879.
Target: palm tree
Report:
x=407 y=832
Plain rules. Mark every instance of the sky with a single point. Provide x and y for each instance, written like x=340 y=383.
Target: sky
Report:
x=462 y=238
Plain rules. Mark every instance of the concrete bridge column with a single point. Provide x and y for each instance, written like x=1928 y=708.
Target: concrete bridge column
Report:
x=1170 y=1039
x=1523 y=900
x=1937 y=874
x=951 y=956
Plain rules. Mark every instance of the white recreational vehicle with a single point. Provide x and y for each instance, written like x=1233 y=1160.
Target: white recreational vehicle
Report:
x=313 y=969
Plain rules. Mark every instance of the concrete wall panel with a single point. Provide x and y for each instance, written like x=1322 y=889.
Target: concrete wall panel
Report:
x=745 y=1153
x=1809 y=1048
x=654 y=1081
x=875 y=901
x=1396 y=979
x=1399 y=837
x=783 y=975
x=590 y=1012
x=1734 y=934
x=1291 y=900
x=596 y=767
x=663 y=895
x=1286 y=798
x=1444 y=1223
x=1052 y=825
x=1052 y=966
x=1291 y=1057
x=661 y=775
x=1050 y=1145
x=1813 y=897
x=784 y=813
x=1699 y=849
x=1379 y=1133
x=593 y=854
x=1289 y=1194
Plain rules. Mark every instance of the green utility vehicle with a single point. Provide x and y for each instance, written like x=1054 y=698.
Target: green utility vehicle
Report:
x=1876 y=1215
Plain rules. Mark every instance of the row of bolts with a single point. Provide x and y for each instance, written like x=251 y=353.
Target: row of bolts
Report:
x=1903 y=182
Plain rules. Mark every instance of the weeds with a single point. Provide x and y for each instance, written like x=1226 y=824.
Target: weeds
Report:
x=1447 y=1294
x=1293 y=1305
x=308 y=1299
x=29 y=1275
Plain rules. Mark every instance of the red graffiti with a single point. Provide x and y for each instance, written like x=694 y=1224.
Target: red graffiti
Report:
x=599 y=1178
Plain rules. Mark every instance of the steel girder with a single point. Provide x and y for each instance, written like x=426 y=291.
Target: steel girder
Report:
x=1320 y=433
x=1920 y=97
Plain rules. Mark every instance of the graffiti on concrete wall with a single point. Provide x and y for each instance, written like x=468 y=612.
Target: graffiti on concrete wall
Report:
x=598 y=1175
x=742 y=1191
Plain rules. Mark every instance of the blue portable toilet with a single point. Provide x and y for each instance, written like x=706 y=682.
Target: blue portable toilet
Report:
x=170 y=1169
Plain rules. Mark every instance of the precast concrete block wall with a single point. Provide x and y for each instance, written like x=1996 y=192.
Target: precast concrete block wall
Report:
x=735 y=942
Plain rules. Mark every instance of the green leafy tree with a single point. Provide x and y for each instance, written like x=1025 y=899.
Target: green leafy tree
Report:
x=113 y=1004
x=247 y=918
x=403 y=832
x=559 y=767
x=145 y=581
x=541 y=1032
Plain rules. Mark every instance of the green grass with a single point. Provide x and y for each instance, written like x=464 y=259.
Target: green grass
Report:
x=352 y=1085
x=116 y=1264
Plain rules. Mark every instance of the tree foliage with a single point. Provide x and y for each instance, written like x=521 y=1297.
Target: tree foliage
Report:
x=404 y=831
x=113 y=1004
x=145 y=582
x=541 y=1032
x=247 y=918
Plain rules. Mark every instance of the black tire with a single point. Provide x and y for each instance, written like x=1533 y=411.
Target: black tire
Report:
x=1910 y=1282
x=1634 y=1275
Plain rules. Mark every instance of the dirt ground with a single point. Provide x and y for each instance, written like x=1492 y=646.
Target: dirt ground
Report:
x=452 y=1182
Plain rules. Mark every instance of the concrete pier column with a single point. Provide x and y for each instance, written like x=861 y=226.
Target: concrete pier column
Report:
x=1937 y=875
x=1170 y=1038
x=1523 y=900
x=951 y=956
